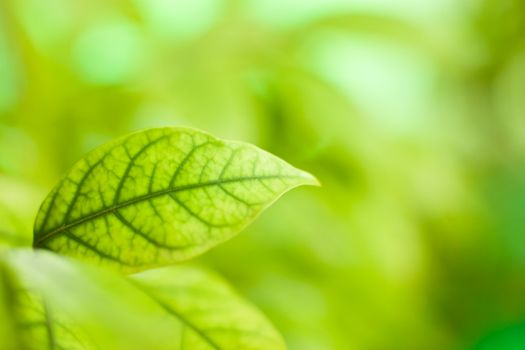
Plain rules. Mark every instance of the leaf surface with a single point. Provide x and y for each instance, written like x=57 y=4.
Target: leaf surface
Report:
x=175 y=307
x=27 y=321
x=160 y=196
x=212 y=315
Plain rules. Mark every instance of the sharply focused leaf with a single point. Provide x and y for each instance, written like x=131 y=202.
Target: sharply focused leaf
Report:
x=160 y=196
x=212 y=315
x=179 y=308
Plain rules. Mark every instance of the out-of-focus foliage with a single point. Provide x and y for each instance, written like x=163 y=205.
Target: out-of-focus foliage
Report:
x=18 y=205
x=211 y=314
x=410 y=113
x=50 y=302
x=31 y=323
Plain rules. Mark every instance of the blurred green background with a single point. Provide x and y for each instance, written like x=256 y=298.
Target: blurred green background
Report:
x=411 y=113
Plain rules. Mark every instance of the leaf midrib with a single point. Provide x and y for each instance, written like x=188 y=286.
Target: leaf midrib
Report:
x=185 y=321
x=111 y=209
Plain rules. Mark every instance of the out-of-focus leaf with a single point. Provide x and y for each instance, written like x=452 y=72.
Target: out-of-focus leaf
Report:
x=9 y=337
x=160 y=196
x=510 y=337
x=27 y=322
x=111 y=312
x=176 y=308
x=213 y=316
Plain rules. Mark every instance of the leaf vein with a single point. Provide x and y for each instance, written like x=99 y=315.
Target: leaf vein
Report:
x=137 y=231
x=92 y=248
x=132 y=201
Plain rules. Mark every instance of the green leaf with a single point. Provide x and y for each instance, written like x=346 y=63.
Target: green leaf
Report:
x=9 y=337
x=176 y=307
x=38 y=325
x=160 y=196
x=212 y=315
x=27 y=322
x=102 y=306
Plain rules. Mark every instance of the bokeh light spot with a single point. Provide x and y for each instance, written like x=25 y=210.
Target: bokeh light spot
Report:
x=179 y=20
x=108 y=53
x=387 y=82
